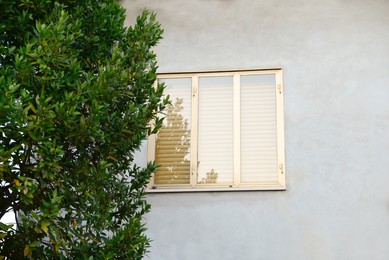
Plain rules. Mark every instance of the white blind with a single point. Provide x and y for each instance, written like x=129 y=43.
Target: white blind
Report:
x=258 y=129
x=215 y=130
x=172 y=152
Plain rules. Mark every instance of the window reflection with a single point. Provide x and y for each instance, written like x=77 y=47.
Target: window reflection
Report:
x=173 y=140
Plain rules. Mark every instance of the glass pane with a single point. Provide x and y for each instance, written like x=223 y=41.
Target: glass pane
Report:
x=215 y=130
x=172 y=152
x=258 y=129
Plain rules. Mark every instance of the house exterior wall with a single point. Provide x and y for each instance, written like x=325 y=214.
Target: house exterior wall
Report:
x=335 y=59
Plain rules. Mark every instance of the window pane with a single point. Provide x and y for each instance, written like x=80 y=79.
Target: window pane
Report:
x=258 y=129
x=215 y=130
x=172 y=152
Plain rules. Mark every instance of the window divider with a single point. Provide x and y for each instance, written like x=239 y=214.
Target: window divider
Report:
x=194 y=132
x=236 y=130
x=280 y=128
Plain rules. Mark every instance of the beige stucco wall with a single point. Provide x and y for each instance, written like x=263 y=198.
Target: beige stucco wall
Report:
x=335 y=58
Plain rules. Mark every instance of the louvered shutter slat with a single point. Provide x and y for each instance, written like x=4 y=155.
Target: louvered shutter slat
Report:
x=215 y=130
x=258 y=129
x=172 y=152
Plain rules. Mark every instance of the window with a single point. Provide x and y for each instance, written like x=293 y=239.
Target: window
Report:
x=222 y=131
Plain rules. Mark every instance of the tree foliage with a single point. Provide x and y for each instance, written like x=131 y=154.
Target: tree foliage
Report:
x=77 y=97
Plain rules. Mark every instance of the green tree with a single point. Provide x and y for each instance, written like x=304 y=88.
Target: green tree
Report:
x=77 y=97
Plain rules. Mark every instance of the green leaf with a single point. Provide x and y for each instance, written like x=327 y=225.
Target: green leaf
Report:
x=27 y=251
x=34 y=244
x=13 y=88
x=44 y=227
x=5 y=227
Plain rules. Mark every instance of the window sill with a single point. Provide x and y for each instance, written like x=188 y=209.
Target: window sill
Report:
x=209 y=189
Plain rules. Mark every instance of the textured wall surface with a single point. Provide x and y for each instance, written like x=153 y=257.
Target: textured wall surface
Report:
x=335 y=58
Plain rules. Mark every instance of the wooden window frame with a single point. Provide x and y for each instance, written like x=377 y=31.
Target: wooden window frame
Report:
x=236 y=186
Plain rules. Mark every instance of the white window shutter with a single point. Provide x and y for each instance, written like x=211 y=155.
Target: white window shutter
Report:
x=215 y=130
x=259 y=162
x=172 y=151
